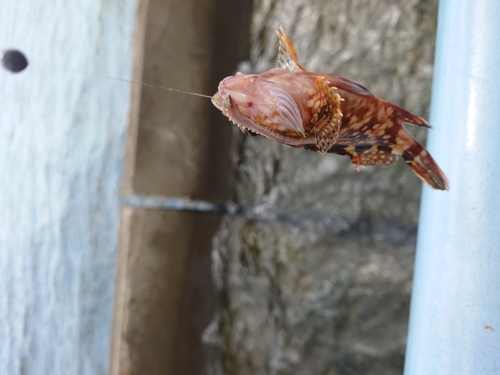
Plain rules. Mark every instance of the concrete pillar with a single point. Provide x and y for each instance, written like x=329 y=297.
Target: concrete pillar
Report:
x=177 y=150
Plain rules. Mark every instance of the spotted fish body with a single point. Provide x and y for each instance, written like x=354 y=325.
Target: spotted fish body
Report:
x=324 y=113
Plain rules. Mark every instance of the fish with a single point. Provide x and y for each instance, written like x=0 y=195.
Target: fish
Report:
x=324 y=113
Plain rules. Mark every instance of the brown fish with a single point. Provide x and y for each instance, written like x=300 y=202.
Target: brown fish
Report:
x=325 y=113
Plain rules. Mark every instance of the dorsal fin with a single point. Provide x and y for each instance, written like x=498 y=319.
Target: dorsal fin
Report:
x=287 y=55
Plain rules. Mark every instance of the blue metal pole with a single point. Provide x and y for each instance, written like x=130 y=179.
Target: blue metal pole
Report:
x=455 y=308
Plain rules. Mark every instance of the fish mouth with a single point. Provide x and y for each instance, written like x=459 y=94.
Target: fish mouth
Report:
x=217 y=101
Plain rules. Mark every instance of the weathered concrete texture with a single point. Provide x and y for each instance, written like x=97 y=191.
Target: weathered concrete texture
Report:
x=62 y=131
x=316 y=277
x=166 y=299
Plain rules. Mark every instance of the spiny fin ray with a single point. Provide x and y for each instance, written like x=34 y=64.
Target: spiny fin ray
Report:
x=372 y=157
x=326 y=115
x=287 y=55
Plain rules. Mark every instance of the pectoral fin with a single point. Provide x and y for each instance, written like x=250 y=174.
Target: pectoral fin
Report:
x=326 y=115
x=286 y=116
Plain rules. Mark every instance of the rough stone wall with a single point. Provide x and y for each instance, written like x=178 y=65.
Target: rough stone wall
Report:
x=315 y=276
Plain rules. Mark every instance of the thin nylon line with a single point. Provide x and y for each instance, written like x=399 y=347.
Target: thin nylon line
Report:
x=123 y=80
x=159 y=87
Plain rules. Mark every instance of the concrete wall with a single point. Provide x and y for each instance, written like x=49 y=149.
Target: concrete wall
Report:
x=62 y=136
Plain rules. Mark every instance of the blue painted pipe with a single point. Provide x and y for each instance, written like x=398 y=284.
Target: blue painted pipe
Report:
x=455 y=307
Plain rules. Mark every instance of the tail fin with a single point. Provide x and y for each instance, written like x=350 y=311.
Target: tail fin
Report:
x=422 y=163
x=410 y=118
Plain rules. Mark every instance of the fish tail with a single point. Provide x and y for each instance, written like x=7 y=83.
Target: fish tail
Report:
x=410 y=118
x=422 y=163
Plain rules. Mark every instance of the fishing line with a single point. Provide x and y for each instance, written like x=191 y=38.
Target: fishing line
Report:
x=15 y=62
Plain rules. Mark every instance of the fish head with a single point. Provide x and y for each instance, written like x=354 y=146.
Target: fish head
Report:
x=259 y=106
x=236 y=96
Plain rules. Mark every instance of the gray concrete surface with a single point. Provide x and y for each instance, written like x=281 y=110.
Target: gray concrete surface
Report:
x=166 y=297
x=62 y=129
